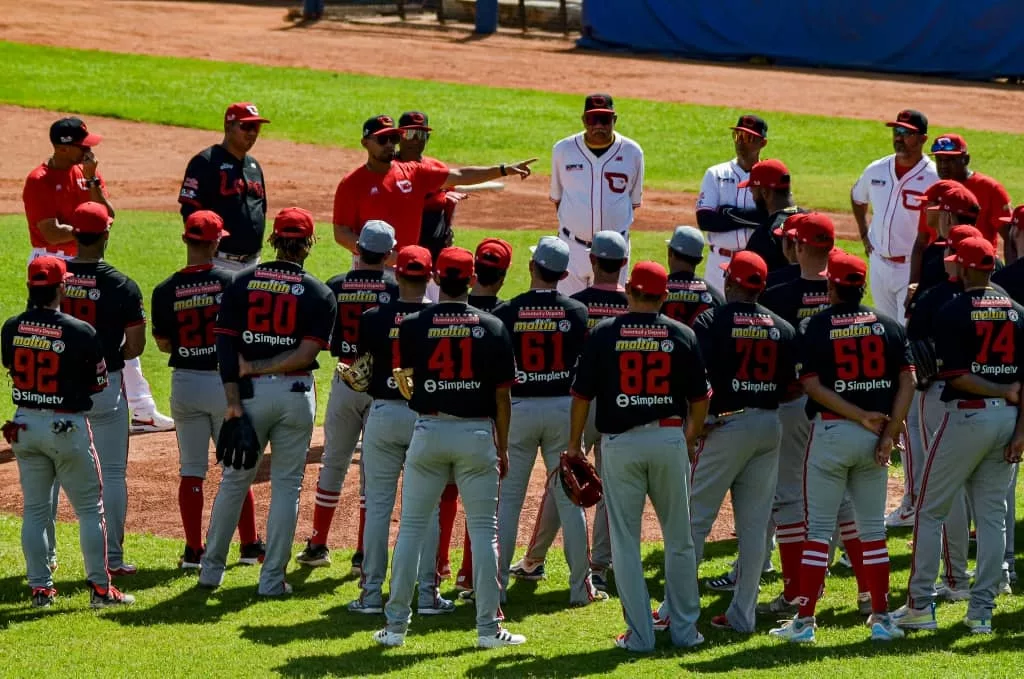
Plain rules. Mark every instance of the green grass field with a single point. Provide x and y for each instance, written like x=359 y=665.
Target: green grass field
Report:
x=473 y=124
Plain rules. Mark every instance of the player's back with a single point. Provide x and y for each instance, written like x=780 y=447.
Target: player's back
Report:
x=355 y=292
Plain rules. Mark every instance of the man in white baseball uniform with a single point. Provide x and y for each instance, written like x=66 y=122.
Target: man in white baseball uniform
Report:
x=725 y=211
x=893 y=188
x=597 y=179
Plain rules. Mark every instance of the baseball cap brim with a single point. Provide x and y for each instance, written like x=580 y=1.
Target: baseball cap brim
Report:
x=948 y=153
x=425 y=128
x=384 y=131
x=91 y=139
x=893 y=123
x=747 y=129
x=599 y=110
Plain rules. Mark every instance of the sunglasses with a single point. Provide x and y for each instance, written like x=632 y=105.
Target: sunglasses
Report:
x=385 y=139
x=410 y=135
x=900 y=131
x=598 y=118
x=249 y=127
x=944 y=144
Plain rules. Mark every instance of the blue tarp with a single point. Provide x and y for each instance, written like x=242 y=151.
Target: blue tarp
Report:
x=967 y=39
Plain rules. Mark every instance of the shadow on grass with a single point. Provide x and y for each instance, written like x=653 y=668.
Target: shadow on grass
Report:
x=373 y=661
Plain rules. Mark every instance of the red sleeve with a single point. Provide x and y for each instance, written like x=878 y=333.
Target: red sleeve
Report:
x=346 y=207
x=39 y=200
x=922 y=227
x=999 y=206
x=431 y=175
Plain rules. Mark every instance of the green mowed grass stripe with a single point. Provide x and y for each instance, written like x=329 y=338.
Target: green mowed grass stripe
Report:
x=147 y=247
x=473 y=124
x=176 y=629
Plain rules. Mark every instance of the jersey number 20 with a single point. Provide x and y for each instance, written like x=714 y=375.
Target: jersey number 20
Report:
x=272 y=313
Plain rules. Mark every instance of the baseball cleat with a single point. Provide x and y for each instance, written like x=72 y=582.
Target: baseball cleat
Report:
x=463 y=582
x=386 y=638
x=467 y=595
x=798 y=630
x=915 y=618
x=660 y=624
x=864 y=603
x=597 y=597
x=722 y=622
x=357 y=564
x=883 y=628
x=599 y=582
x=148 y=423
x=109 y=597
x=978 y=626
x=364 y=607
x=778 y=607
x=726 y=583
x=947 y=593
x=314 y=556
x=252 y=553
x=502 y=638
x=521 y=570
x=440 y=606
x=622 y=641
x=1004 y=585
x=123 y=570
x=901 y=517
x=43 y=597
x=191 y=559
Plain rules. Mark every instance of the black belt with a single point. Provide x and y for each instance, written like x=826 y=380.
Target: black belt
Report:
x=584 y=243
x=237 y=258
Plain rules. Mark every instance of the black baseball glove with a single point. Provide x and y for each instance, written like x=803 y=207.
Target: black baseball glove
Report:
x=237 y=444
x=580 y=480
x=926 y=365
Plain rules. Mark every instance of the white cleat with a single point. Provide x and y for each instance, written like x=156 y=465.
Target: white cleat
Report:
x=501 y=639
x=148 y=423
x=386 y=638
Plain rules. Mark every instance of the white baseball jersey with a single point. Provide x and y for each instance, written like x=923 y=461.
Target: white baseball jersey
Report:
x=596 y=193
x=896 y=204
x=718 y=189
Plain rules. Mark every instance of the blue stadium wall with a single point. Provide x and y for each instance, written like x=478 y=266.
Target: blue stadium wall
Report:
x=966 y=39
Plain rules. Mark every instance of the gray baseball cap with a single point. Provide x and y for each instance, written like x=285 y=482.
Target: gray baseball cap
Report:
x=551 y=253
x=609 y=245
x=688 y=241
x=377 y=236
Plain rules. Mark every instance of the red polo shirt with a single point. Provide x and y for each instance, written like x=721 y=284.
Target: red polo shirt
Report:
x=396 y=196
x=50 y=194
x=993 y=200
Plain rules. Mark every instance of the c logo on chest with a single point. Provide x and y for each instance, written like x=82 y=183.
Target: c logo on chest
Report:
x=404 y=185
x=617 y=182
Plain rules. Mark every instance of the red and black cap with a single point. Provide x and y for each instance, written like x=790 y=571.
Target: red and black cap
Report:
x=204 y=226
x=73 y=132
x=910 y=119
x=413 y=120
x=244 y=112
x=974 y=253
x=770 y=174
x=91 y=217
x=455 y=263
x=379 y=125
x=753 y=124
x=47 y=271
x=494 y=252
x=845 y=269
x=747 y=269
x=598 y=103
x=294 y=222
x=414 y=261
x=649 y=278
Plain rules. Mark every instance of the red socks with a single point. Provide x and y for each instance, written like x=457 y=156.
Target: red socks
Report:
x=876 y=572
x=790 y=538
x=855 y=551
x=247 y=520
x=190 y=502
x=466 y=570
x=447 y=510
x=323 y=513
x=813 y=566
x=362 y=522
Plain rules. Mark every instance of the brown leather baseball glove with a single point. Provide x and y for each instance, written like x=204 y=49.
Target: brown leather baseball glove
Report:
x=580 y=480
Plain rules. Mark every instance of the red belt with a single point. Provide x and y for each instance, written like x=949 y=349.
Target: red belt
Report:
x=980 y=403
x=671 y=422
x=895 y=260
x=829 y=415
x=725 y=252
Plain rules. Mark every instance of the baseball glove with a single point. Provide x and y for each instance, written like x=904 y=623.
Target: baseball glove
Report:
x=403 y=381
x=580 y=480
x=357 y=375
x=237 y=444
x=925 y=362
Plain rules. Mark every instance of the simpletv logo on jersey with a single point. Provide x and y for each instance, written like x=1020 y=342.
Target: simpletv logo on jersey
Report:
x=867 y=385
x=625 y=400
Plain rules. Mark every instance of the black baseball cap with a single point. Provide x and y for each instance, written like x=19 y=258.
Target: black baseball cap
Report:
x=72 y=132
x=909 y=118
x=599 y=103
x=413 y=120
x=378 y=125
x=752 y=124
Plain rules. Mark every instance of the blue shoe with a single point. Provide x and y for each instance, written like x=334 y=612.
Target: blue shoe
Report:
x=797 y=631
x=883 y=628
x=915 y=618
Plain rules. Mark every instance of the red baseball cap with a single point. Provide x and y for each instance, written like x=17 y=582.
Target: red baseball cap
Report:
x=455 y=263
x=294 y=222
x=949 y=145
x=204 y=226
x=956 y=199
x=788 y=227
x=746 y=269
x=974 y=253
x=815 y=229
x=649 y=278
x=845 y=269
x=959 y=233
x=414 y=261
x=494 y=252
x=46 y=271
x=771 y=174
x=243 y=112
x=91 y=217
x=1015 y=219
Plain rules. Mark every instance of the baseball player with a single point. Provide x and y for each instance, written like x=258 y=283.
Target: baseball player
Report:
x=547 y=331
x=981 y=435
x=856 y=368
x=750 y=356
x=893 y=188
x=604 y=299
x=597 y=183
x=395 y=191
x=463 y=366
x=646 y=374
x=688 y=294
x=184 y=308
x=362 y=288
x=769 y=183
x=224 y=178
x=52 y=192
x=56 y=365
x=791 y=271
x=274 y=319
x=105 y=298
x=949 y=203
x=726 y=211
x=388 y=432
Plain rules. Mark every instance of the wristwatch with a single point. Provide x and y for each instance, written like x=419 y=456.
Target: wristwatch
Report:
x=95 y=181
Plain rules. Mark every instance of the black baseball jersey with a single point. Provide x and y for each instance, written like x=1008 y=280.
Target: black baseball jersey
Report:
x=106 y=299
x=355 y=292
x=750 y=356
x=1011 y=279
x=234 y=189
x=55 y=361
x=923 y=320
x=378 y=336
x=982 y=334
x=547 y=330
x=788 y=273
x=184 y=310
x=688 y=297
x=855 y=351
x=799 y=299
x=602 y=303
x=486 y=303
x=933 y=269
x=459 y=356
x=764 y=242
x=271 y=308
x=640 y=368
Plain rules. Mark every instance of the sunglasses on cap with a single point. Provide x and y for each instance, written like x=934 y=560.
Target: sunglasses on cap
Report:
x=410 y=135
x=598 y=118
x=944 y=144
x=900 y=131
x=745 y=137
x=249 y=127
